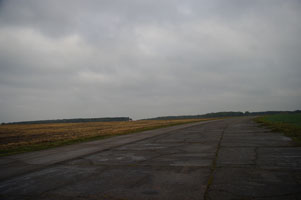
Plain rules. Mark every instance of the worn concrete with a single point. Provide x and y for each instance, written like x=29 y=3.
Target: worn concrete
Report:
x=225 y=159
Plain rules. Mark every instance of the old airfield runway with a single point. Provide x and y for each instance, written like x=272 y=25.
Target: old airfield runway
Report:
x=224 y=159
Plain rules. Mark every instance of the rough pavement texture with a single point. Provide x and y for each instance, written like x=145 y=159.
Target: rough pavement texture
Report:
x=227 y=159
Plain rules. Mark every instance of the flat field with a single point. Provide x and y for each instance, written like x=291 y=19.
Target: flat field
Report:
x=18 y=138
x=289 y=124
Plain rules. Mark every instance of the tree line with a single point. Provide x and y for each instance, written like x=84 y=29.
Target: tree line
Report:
x=116 y=119
x=75 y=120
x=222 y=114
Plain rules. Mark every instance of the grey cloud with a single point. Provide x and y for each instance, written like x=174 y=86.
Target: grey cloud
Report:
x=61 y=59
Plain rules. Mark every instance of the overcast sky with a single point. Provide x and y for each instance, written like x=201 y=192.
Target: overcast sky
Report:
x=147 y=58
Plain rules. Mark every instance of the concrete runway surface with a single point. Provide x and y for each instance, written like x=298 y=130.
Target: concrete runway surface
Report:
x=224 y=159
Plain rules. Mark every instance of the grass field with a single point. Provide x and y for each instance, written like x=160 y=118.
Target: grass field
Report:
x=289 y=124
x=20 y=138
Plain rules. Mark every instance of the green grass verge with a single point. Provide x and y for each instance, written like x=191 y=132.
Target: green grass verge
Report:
x=47 y=145
x=289 y=124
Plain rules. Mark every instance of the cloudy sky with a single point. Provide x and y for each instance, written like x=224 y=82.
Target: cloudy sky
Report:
x=147 y=58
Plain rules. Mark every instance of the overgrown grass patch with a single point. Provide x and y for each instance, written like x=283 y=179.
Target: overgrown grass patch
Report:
x=289 y=124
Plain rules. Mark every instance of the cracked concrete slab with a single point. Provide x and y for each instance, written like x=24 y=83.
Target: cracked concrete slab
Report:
x=226 y=159
x=246 y=183
x=245 y=140
x=236 y=156
x=279 y=158
x=144 y=182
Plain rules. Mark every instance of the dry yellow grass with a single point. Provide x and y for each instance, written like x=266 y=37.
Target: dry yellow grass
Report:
x=28 y=137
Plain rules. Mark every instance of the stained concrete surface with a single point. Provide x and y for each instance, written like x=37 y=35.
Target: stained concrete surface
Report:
x=225 y=159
